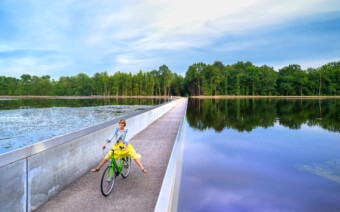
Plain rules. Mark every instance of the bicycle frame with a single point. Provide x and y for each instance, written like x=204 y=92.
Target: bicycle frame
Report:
x=115 y=165
x=118 y=167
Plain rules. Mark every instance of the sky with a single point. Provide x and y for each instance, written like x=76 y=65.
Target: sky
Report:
x=67 y=37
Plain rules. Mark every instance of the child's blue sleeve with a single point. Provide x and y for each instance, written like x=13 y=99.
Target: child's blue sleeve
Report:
x=124 y=141
x=112 y=136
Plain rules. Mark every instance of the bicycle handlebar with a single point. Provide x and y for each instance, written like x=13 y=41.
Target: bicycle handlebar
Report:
x=121 y=148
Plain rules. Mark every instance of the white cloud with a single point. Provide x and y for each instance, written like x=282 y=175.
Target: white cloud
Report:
x=192 y=21
x=130 y=59
x=32 y=66
x=312 y=63
x=180 y=24
x=130 y=33
x=5 y=48
x=329 y=169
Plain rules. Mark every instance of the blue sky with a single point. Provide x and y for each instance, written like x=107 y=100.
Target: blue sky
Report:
x=66 y=37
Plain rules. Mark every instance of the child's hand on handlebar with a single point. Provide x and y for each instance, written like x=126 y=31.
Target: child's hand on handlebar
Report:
x=107 y=141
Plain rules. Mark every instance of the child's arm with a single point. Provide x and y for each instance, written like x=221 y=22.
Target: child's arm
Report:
x=124 y=141
x=104 y=145
x=109 y=139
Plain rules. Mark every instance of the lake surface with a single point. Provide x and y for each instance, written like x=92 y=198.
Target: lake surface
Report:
x=27 y=121
x=261 y=155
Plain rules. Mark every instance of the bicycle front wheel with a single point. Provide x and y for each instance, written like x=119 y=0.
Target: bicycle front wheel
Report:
x=126 y=166
x=108 y=180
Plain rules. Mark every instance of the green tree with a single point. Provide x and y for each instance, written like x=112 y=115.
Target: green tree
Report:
x=285 y=80
x=135 y=85
x=3 y=85
x=194 y=78
x=313 y=80
x=25 y=85
x=140 y=79
x=177 y=85
x=221 y=77
x=300 y=80
x=251 y=77
x=157 y=86
x=267 y=80
x=117 y=78
x=149 y=84
x=210 y=80
x=84 y=85
x=166 y=77
x=8 y=86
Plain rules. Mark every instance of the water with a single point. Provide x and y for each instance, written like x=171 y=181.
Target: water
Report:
x=27 y=121
x=261 y=155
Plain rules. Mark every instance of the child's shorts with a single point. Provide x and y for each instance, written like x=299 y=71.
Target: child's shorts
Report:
x=129 y=151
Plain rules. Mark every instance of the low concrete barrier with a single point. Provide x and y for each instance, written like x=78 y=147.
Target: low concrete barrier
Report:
x=169 y=193
x=31 y=175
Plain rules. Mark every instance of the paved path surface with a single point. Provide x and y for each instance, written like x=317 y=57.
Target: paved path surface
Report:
x=139 y=191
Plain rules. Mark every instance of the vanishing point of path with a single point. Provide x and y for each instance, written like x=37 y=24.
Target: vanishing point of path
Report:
x=139 y=191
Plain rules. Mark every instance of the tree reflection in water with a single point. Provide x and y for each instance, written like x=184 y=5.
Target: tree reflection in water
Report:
x=24 y=103
x=248 y=113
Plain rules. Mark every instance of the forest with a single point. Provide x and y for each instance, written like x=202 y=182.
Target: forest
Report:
x=241 y=78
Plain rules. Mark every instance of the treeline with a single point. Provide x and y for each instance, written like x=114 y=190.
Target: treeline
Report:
x=247 y=79
x=200 y=79
x=161 y=82
x=244 y=115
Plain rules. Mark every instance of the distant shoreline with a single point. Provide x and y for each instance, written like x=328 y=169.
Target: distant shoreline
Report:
x=258 y=97
x=166 y=97
x=88 y=97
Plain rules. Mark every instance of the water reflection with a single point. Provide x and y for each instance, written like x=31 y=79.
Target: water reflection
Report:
x=260 y=155
x=329 y=170
x=247 y=114
x=26 y=103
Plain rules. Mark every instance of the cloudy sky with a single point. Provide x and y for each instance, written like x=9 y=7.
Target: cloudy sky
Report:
x=66 y=37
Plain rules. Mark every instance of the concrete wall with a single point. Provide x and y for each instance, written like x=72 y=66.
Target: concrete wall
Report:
x=13 y=186
x=31 y=175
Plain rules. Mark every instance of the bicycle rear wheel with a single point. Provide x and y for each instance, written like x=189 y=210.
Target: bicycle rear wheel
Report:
x=126 y=166
x=108 y=180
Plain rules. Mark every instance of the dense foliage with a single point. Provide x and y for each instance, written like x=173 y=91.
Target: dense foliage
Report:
x=200 y=79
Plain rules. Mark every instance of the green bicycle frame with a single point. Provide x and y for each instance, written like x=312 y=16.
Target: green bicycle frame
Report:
x=115 y=165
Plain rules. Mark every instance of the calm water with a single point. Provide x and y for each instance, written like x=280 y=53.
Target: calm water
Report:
x=27 y=121
x=261 y=155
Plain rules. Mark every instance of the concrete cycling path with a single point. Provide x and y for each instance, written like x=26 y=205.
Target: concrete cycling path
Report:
x=139 y=191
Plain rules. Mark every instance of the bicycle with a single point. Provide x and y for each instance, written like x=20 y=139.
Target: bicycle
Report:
x=113 y=170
